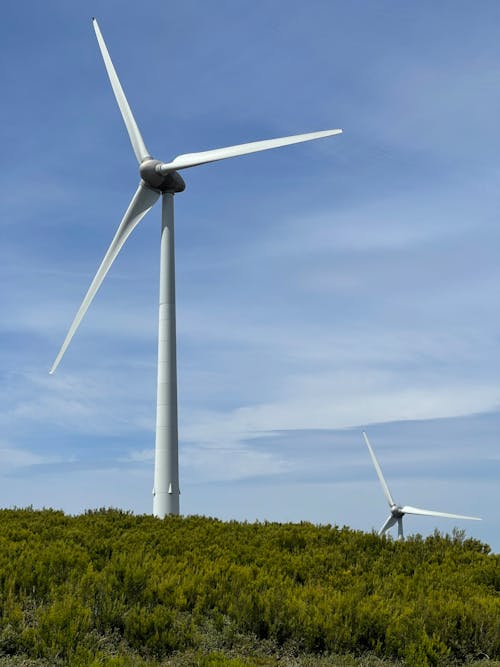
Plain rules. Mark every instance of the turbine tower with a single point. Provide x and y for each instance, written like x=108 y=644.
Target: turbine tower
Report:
x=398 y=511
x=161 y=179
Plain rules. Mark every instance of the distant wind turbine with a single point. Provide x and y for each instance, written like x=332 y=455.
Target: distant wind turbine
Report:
x=398 y=511
x=161 y=178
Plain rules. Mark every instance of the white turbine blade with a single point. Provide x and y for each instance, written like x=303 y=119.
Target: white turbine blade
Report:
x=142 y=201
x=390 y=521
x=195 y=159
x=383 y=483
x=407 y=509
x=140 y=150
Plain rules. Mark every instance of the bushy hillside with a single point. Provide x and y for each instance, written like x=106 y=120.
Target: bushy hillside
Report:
x=80 y=590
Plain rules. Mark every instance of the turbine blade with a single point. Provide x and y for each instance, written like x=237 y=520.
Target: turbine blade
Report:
x=140 y=150
x=142 y=201
x=407 y=509
x=389 y=522
x=195 y=159
x=383 y=483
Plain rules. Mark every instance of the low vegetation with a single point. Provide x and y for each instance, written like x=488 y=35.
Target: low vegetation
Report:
x=111 y=589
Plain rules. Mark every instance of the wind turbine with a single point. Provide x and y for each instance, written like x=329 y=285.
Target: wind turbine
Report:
x=161 y=178
x=398 y=511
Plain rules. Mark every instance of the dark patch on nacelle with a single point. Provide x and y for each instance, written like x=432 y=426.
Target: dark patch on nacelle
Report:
x=172 y=182
x=396 y=512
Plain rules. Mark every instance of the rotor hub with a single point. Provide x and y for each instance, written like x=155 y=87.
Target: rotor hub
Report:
x=171 y=182
x=396 y=511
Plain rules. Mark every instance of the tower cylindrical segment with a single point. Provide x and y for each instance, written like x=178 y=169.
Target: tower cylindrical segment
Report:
x=166 y=478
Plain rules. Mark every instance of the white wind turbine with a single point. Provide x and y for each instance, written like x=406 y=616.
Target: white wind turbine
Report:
x=398 y=511
x=161 y=178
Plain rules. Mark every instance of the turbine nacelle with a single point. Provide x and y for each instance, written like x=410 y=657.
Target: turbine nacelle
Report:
x=397 y=512
x=153 y=178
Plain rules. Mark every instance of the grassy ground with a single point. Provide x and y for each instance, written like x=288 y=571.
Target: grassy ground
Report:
x=216 y=659
x=109 y=589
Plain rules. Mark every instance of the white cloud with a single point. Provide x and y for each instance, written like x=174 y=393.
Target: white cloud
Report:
x=233 y=461
x=334 y=401
x=88 y=402
x=12 y=457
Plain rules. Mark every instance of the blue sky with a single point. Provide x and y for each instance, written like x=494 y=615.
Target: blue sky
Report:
x=323 y=288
